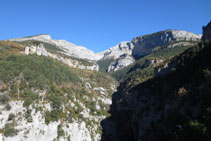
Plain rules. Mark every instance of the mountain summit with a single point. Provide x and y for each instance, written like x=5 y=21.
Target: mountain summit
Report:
x=68 y=48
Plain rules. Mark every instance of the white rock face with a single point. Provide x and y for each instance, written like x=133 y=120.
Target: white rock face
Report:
x=145 y=44
x=179 y=35
x=36 y=49
x=118 y=50
x=40 y=50
x=74 y=63
x=101 y=90
x=121 y=63
x=69 y=48
x=37 y=130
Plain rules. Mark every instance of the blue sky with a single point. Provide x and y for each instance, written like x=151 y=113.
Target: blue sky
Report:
x=100 y=24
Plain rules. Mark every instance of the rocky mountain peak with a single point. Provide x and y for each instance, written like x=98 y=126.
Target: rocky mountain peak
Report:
x=144 y=44
x=43 y=36
x=68 y=48
x=115 y=52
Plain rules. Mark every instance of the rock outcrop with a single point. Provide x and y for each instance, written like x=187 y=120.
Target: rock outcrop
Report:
x=68 y=48
x=121 y=62
x=74 y=63
x=40 y=50
x=118 y=50
x=36 y=49
x=144 y=44
x=207 y=32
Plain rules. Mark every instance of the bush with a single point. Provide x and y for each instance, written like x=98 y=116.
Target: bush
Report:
x=11 y=116
x=60 y=131
x=56 y=101
x=28 y=101
x=28 y=115
x=14 y=88
x=27 y=93
x=207 y=74
x=9 y=130
x=4 y=99
x=53 y=115
x=8 y=107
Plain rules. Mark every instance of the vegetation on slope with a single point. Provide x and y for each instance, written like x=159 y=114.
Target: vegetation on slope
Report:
x=136 y=70
x=39 y=80
x=56 y=50
x=104 y=64
x=172 y=106
x=7 y=47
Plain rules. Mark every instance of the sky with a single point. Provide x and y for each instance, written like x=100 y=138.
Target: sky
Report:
x=100 y=24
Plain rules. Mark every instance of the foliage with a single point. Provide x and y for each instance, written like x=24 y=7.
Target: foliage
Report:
x=28 y=97
x=180 y=117
x=28 y=101
x=53 y=115
x=9 y=47
x=9 y=130
x=28 y=115
x=11 y=116
x=104 y=64
x=8 y=107
x=34 y=70
x=4 y=98
x=60 y=131
x=39 y=79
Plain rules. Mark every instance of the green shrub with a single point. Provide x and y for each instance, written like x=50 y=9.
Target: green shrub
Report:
x=28 y=115
x=8 y=107
x=60 y=131
x=207 y=74
x=104 y=63
x=14 y=88
x=27 y=93
x=4 y=99
x=9 y=130
x=56 y=101
x=53 y=115
x=28 y=101
x=11 y=116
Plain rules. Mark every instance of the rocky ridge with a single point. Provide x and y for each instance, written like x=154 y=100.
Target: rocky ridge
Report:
x=138 y=47
x=40 y=50
x=121 y=62
x=143 y=45
x=68 y=48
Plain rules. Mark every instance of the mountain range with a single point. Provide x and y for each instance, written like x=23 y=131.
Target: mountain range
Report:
x=124 y=53
x=154 y=87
